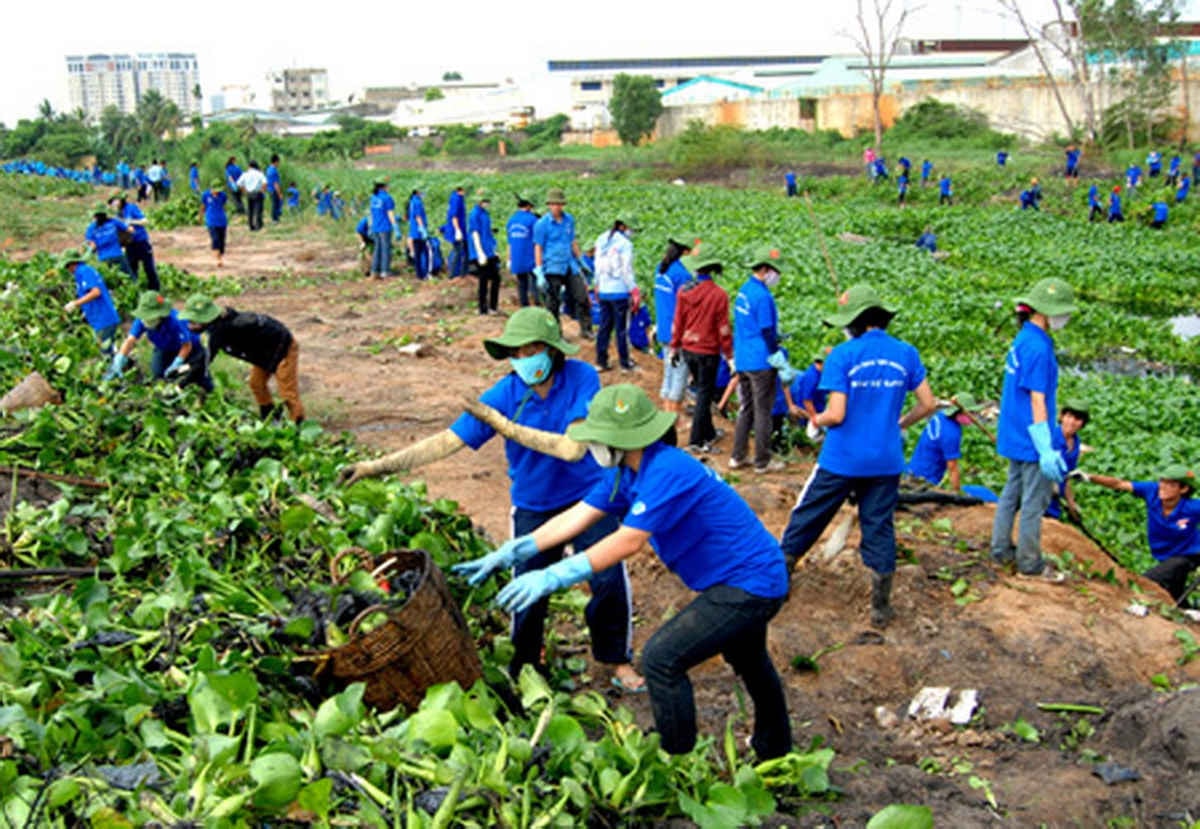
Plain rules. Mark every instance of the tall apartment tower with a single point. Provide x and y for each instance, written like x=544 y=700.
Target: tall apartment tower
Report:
x=97 y=81
x=299 y=90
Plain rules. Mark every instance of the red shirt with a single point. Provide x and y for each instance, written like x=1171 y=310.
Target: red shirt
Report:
x=701 y=322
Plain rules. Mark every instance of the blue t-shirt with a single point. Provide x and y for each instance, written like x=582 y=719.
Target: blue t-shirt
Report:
x=540 y=482
x=944 y=186
x=1072 y=159
x=807 y=387
x=1114 y=204
x=666 y=289
x=1184 y=186
x=875 y=371
x=363 y=228
x=416 y=210
x=1029 y=366
x=169 y=335
x=1001 y=158
x=555 y=239
x=1093 y=196
x=194 y=177
x=106 y=239
x=926 y=169
x=101 y=312
x=381 y=204
x=927 y=241
x=1134 y=174
x=1160 y=211
x=214 y=208
x=480 y=222
x=232 y=174
x=753 y=311
x=520 y=241
x=293 y=196
x=1169 y=535
x=132 y=211
x=457 y=209
x=940 y=442
x=272 y=178
x=699 y=526
x=790 y=180
x=1070 y=456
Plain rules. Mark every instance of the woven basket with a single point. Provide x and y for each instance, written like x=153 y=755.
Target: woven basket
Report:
x=423 y=643
x=31 y=393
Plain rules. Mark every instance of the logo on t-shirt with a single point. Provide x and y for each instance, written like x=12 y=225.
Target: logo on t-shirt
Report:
x=639 y=508
x=1182 y=523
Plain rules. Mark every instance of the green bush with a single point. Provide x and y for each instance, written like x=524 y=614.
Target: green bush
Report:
x=932 y=120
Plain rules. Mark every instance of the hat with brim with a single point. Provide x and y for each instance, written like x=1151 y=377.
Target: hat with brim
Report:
x=70 y=257
x=820 y=356
x=522 y=201
x=765 y=255
x=853 y=302
x=555 y=195
x=216 y=184
x=1176 y=472
x=685 y=241
x=706 y=262
x=1078 y=407
x=152 y=306
x=623 y=417
x=528 y=325
x=199 y=309
x=100 y=209
x=1051 y=297
x=381 y=182
x=966 y=401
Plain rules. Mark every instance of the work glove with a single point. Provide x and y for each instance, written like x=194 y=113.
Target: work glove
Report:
x=69 y=307
x=812 y=431
x=177 y=369
x=526 y=590
x=780 y=363
x=1051 y=463
x=578 y=265
x=457 y=235
x=673 y=358
x=482 y=260
x=540 y=275
x=119 y=362
x=514 y=551
x=635 y=297
x=1079 y=475
x=422 y=234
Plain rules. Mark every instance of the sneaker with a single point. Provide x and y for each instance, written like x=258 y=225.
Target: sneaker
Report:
x=773 y=466
x=601 y=367
x=719 y=433
x=705 y=448
x=1047 y=574
x=734 y=463
x=631 y=367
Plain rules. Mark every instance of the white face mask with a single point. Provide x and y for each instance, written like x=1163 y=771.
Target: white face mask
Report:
x=1058 y=323
x=848 y=333
x=771 y=279
x=605 y=456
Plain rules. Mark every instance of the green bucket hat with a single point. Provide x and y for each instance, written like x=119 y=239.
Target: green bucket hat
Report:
x=853 y=302
x=528 y=325
x=703 y=261
x=1079 y=407
x=624 y=417
x=1175 y=472
x=70 y=256
x=216 y=184
x=966 y=401
x=200 y=308
x=555 y=195
x=100 y=207
x=1051 y=297
x=686 y=241
x=765 y=255
x=820 y=356
x=151 y=306
x=381 y=182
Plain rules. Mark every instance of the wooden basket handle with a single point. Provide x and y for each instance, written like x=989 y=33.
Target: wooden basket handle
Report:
x=335 y=576
x=375 y=608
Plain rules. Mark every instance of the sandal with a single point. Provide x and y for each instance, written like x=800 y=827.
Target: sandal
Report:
x=628 y=689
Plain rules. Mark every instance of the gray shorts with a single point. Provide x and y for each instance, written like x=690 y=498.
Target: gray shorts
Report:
x=674 y=382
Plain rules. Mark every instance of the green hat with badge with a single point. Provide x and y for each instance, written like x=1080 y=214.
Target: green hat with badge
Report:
x=200 y=309
x=853 y=302
x=623 y=417
x=216 y=184
x=684 y=241
x=704 y=261
x=151 y=306
x=555 y=195
x=528 y=325
x=70 y=257
x=1180 y=474
x=1051 y=297
x=765 y=255
x=100 y=208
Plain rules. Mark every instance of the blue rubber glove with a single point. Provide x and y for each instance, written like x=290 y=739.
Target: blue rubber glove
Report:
x=115 y=370
x=1051 y=462
x=540 y=275
x=525 y=591
x=780 y=363
x=513 y=551
x=178 y=366
x=578 y=265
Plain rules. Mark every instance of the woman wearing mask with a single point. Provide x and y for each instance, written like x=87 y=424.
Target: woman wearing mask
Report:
x=548 y=392
x=617 y=291
x=669 y=278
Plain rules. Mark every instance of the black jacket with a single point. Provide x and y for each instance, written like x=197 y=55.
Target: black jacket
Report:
x=256 y=338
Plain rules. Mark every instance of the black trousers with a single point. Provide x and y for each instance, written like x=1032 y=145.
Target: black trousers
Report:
x=142 y=254
x=1173 y=573
x=254 y=210
x=703 y=370
x=489 y=285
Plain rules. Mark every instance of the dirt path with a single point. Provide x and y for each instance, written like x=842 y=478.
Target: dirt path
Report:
x=962 y=622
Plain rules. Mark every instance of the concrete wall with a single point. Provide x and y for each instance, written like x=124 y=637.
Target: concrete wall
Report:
x=759 y=114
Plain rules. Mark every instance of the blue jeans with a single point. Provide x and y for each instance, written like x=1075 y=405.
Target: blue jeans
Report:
x=458 y=258
x=614 y=316
x=722 y=620
x=609 y=613
x=276 y=206
x=674 y=382
x=381 y=254
x=1029 y=491
x=819 y=502
x=526 y=289
x=420 y=254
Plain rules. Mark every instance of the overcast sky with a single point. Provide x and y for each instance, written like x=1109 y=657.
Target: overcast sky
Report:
x=384 y=44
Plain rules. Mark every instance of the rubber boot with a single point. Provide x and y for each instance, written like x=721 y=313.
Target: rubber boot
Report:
x=265 y=410
x=881 y=595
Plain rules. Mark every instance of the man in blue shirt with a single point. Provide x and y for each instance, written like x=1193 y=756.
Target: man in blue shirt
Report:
x=758 y=360
x=928 y=240
x=867 y=378
x=1133 y=177
x=670 y=277
x=1024 y=436
x=1181 y=192
x=945 y=193
x=1095 y=209
x=1072 y=170
x=103 y=236
x=1065 y=440
x=138 y=251
x=1158 y=219
x=702 y=531
x=1114 y=206
x=940 y=446
x=1173 y=170
x=212 y=213
x=789 y=179
x=178 y=355
x=557 y=269
x=806 y=399
x=1154 y=163
x=456 y=227
x=482 y=244
x=382 y=228
x=1002 y=158
x=194 y=178
x=275 y=188
x=1172 y=518
x=418 y=233
x=926 y=172
x=901 y=189
x=293 y=198
x=232 y=173
x=544 y=394
x=91 y=295
x=519 y=231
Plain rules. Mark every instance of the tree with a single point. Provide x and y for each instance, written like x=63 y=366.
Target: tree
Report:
x=452 y=75
x=635 y=106
x=434 y=94
x=46 y=109
x=876 y=39
x=1075 y=57
x=157 y=116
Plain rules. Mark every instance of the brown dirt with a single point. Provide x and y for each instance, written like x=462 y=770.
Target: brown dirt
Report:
x=1019 y=643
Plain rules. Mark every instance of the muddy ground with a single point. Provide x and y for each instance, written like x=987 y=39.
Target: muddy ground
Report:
x=962 y=622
